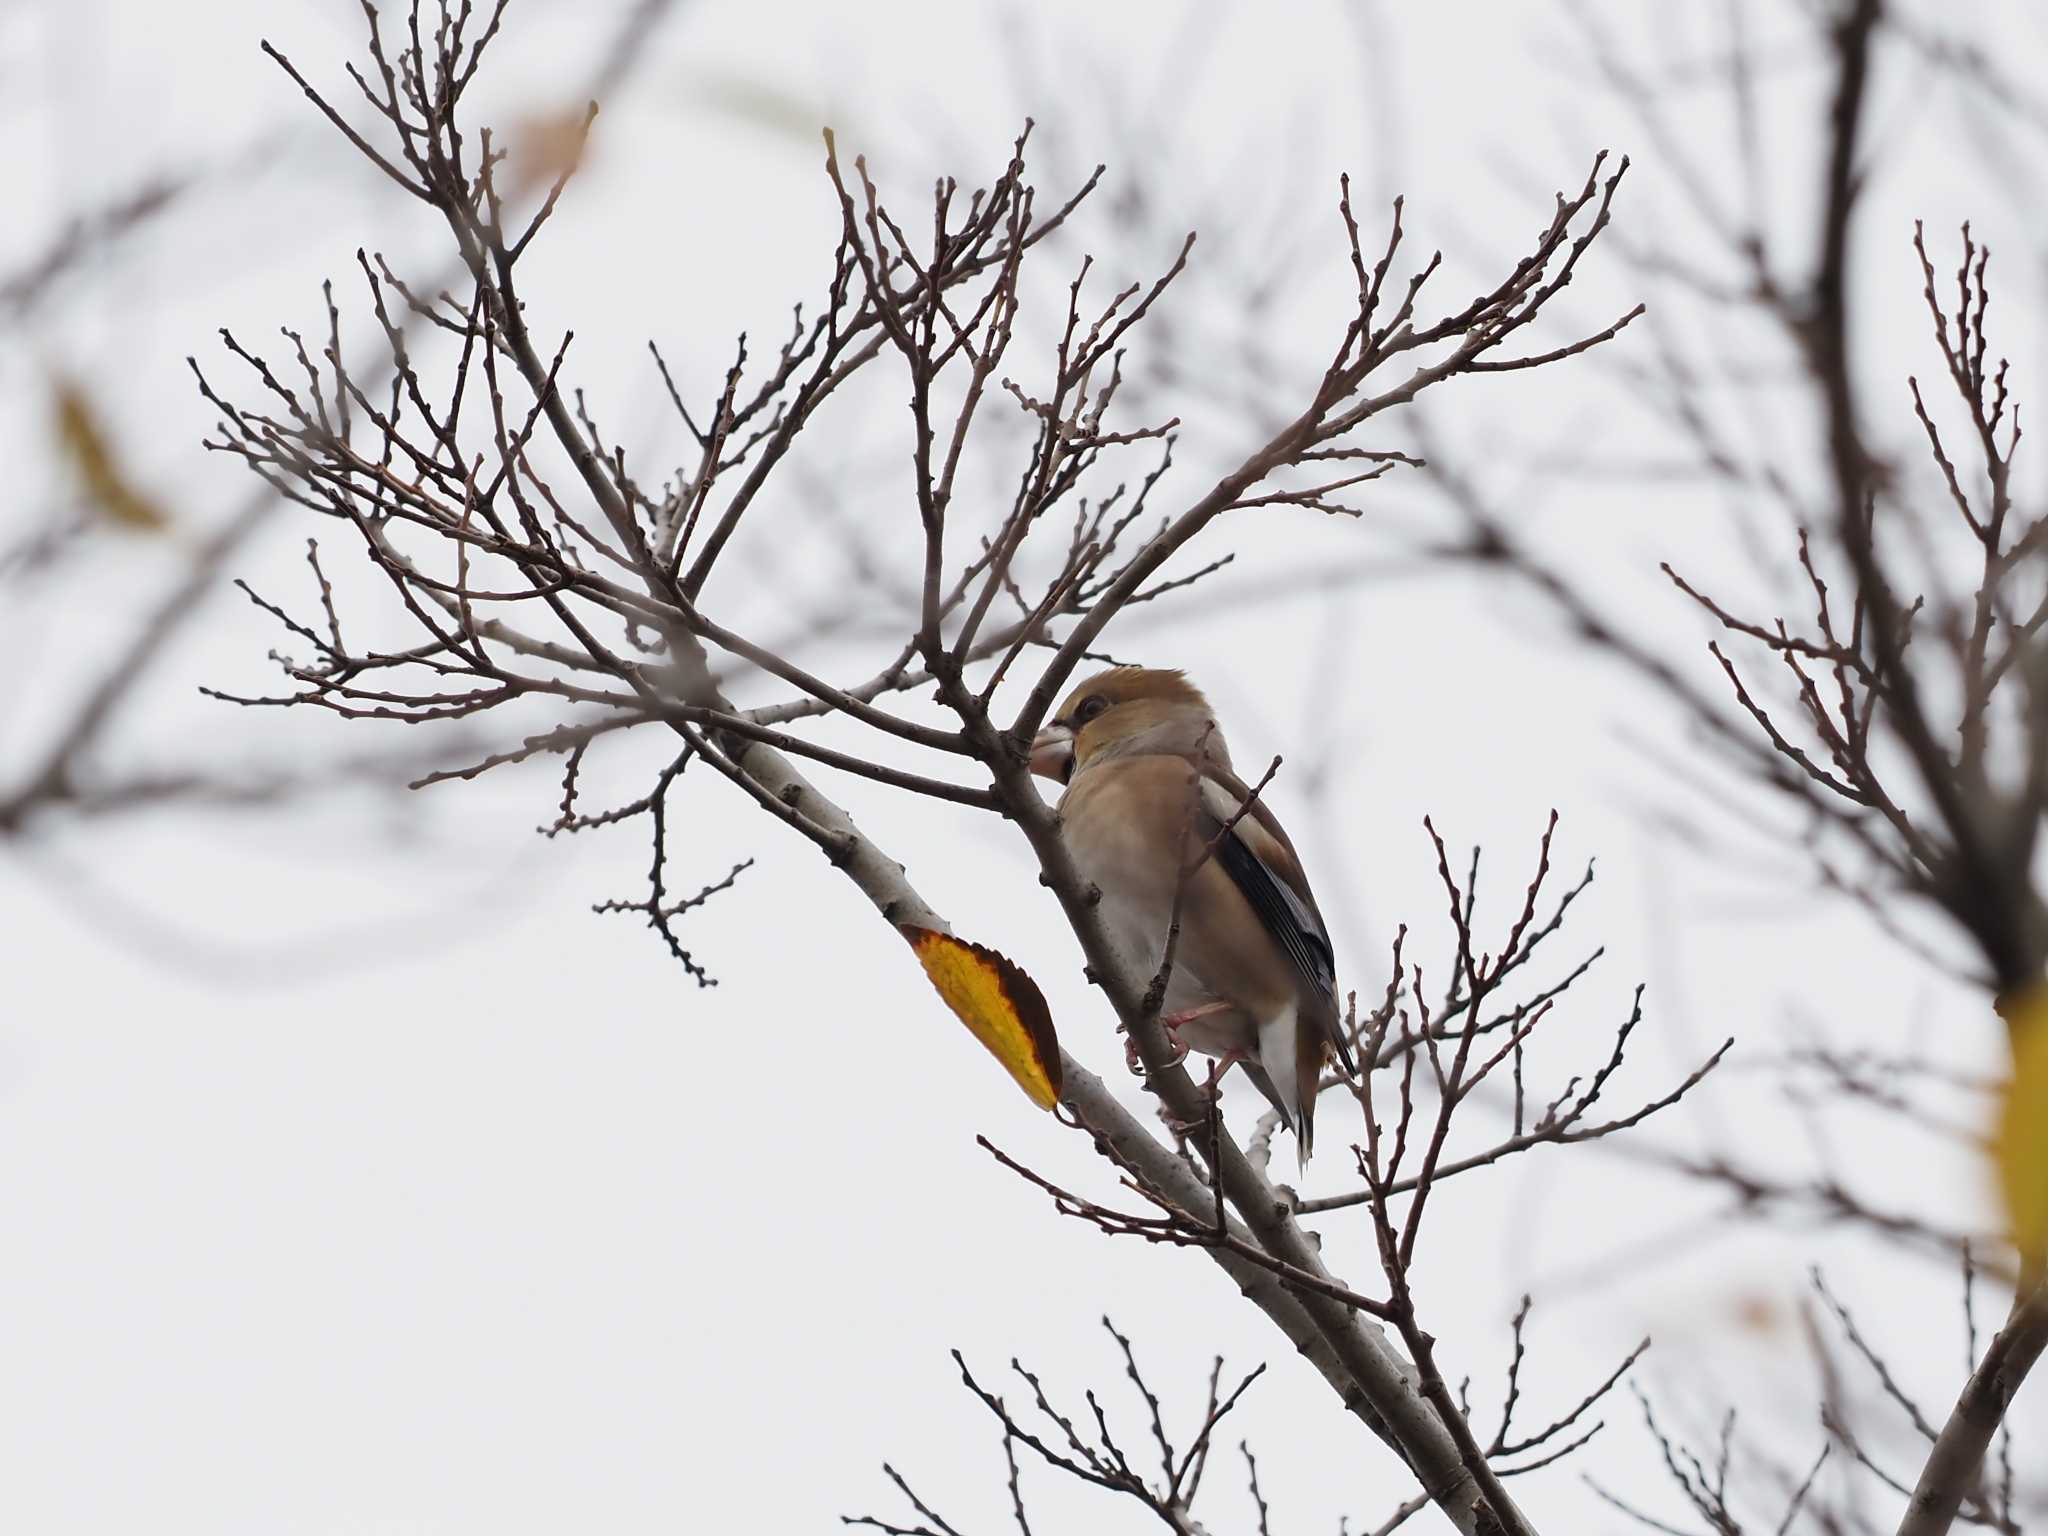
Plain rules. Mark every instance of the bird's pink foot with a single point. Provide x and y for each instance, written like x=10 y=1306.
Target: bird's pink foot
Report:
x=1174 y=1023
x=1137 y=1065
x=1219 y=1069
x=1182 y=1129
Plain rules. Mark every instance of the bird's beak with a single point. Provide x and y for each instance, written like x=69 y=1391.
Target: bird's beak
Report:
x=1052 y=753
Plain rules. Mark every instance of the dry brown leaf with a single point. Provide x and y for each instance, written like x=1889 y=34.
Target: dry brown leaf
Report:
x=548 y=146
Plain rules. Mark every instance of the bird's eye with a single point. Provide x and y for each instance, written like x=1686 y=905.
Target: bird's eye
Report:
x=1089 y=708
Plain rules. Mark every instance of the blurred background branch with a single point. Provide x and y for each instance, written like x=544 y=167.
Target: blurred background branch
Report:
x=1813 y=768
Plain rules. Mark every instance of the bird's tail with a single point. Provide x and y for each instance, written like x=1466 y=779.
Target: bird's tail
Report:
x=1293 y=1074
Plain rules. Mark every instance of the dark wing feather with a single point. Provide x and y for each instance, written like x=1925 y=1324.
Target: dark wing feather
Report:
x=1291 y=921
x=1293 y=927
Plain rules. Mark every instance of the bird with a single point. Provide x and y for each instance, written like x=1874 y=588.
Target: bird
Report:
x=1153 y=807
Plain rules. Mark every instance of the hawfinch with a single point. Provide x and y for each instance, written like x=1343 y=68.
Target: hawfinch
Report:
x=1149 y=793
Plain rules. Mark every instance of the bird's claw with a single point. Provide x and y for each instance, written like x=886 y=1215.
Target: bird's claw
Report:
x=1180 y=1129
x=1137 y=1064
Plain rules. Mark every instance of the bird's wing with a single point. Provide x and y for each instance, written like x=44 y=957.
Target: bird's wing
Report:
x=1263 y=865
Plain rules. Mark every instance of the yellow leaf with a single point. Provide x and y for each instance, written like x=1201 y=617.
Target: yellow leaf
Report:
x=85 y=447
x=999 y=1004
x=2020 y=1141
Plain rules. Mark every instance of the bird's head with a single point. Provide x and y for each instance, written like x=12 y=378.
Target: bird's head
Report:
x=1126 y=712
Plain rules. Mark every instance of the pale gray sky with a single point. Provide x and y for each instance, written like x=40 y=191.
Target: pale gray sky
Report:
x=356 y=1180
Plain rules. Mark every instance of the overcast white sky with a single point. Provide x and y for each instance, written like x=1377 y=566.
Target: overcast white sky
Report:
x=356 y=1180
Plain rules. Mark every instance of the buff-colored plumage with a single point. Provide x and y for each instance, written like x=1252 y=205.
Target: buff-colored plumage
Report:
x=1150 y=789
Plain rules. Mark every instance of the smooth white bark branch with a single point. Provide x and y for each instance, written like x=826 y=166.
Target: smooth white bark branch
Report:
x=1363 y=1368
x=1370 y=1376
x=1953 y=1467
x=1369 y=1373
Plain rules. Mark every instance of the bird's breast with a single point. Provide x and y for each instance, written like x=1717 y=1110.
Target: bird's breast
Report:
x=1123 y=832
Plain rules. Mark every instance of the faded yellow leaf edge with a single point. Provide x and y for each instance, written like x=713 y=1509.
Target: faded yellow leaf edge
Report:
x=999 y=1003
x=2019 y=1137
x=83 y=442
